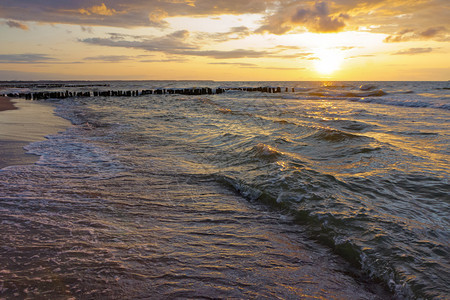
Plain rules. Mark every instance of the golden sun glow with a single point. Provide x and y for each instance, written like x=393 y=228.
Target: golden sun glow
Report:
x=328 y=61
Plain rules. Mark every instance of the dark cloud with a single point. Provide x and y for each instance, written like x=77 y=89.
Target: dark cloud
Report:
x=26 y=58
x=432 y=32
x=413 y=51
x=14 y=24
x=387 y=16
x=181 y=34
x=317 y=18
x=121 y=13
x=278 y=17
x=173 y=42
x=176 y=43
x=405 y=35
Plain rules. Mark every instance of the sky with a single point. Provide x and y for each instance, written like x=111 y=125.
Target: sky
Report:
x=237 y=40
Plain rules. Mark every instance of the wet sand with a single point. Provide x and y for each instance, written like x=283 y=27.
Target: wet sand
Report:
x=21 y=123
x=6 y=104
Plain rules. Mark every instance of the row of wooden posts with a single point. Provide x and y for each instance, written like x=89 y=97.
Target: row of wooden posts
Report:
x=135 y=93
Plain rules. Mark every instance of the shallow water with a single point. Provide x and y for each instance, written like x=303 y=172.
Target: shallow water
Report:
x=327 y=191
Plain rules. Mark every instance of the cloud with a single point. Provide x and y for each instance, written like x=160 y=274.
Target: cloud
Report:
x=246 y=65
x=362 y=55
x=14 y=24
x=283 y=69
x=432 y=32
x=180 y=34
x=317 y=18
x=254 y=66
x=109 y=58
x=226 y=54
x=389 y=16
x=177 y=60
x=413 y=51
x=87 y=29
x=405 y=35
x=26 y=58
x=157 y=16
x=345 y=48
x=276 y=17
x=235 y=33
x=287 y=47
x=127 y=14
x=170 y=43
x=176 y=43
x=101 y=10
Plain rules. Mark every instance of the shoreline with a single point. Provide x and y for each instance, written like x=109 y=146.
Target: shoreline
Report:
x=23 y=122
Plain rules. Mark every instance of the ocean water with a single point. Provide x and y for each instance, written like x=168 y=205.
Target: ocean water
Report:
x=333 y=190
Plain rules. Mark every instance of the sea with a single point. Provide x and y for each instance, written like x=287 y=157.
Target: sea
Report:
x=326 y=190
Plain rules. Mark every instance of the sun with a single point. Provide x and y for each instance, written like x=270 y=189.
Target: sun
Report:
x=328 y=61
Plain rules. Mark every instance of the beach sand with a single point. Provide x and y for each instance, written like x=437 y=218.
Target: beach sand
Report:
x=21 y=123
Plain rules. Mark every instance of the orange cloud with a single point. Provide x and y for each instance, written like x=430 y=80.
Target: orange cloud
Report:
x=157 y=16
x=101 y=10
x=14 y=24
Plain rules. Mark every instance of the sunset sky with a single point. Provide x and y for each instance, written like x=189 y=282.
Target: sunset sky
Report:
x=225 y=40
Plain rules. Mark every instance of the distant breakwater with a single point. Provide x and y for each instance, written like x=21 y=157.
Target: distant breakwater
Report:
x=135 y=93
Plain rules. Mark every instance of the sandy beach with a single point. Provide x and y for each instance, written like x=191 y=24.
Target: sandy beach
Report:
x=23 y=122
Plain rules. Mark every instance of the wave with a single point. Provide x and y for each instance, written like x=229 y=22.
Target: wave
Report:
x=367 y=87
x=306 y=196
x=350 y=125
x=377 y=96
x=349 y=94
x=321 y=172
x=333 y=135
x=266 y=152
x=405 y=103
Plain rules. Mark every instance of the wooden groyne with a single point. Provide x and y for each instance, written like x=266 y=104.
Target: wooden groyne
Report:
x=136 y=93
